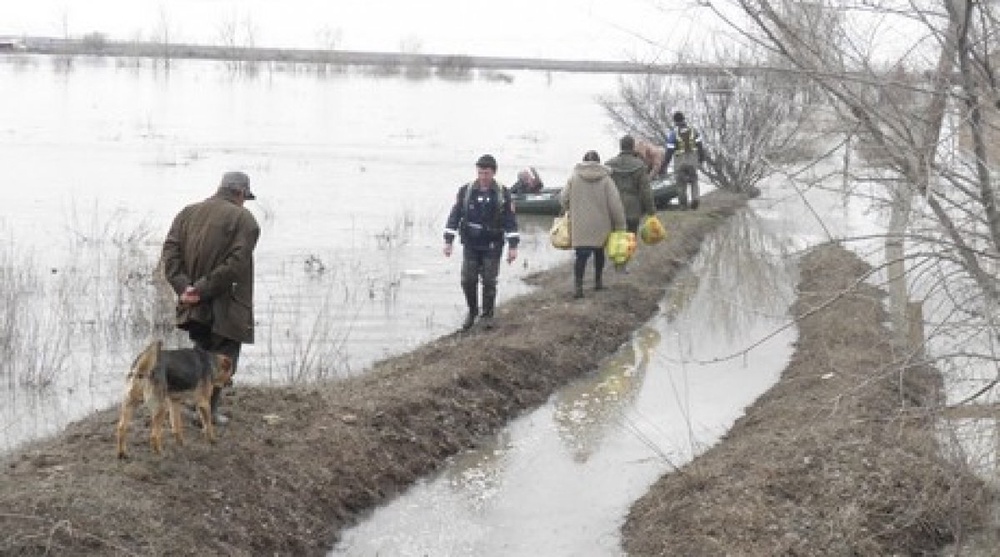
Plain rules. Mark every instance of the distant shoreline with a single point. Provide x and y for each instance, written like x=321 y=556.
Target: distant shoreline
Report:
x=96 y=46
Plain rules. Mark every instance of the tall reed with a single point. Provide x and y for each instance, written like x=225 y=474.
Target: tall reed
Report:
x=34 y=335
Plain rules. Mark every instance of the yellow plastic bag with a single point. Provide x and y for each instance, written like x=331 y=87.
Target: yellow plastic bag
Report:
x=620 y=246
x=559 y=233
x=652 y=231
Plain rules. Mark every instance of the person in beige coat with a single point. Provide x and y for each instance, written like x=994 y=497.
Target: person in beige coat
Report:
x=595 y=209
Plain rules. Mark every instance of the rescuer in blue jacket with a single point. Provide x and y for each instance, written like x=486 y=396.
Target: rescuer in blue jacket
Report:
x=483 y=217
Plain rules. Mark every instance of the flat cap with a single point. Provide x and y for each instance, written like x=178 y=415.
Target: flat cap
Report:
x=238 y=182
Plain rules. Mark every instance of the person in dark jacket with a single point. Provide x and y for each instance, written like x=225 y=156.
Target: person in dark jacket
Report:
x=631 y=175
x=684 y=146
x=595 y=209
x=483 y=217
x=207 y=258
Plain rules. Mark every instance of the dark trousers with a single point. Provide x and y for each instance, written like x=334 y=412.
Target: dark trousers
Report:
x=687 y=181
x=480 y=265
x=203 y=337
x=580 y=265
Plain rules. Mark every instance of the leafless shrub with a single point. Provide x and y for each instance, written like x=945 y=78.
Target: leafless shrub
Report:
x=306 y=338
x=95 y=41
x=455 y=67
x=749 y=122
x=34 y=336
x=237 y=37
x=112 y=267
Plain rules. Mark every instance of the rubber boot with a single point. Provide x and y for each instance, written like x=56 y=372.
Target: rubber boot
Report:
x=218 y=418
x=488 y=301
x=472 y=302
x=470 y=320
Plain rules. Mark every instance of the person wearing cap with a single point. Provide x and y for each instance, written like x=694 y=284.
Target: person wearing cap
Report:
x=207 y=258
x=631 y=176
x=483 y=218
x=684 y=146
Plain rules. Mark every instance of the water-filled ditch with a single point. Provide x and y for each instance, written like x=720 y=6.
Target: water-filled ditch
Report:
x=559 y=480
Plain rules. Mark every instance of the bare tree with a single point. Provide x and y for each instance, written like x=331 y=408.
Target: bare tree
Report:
x=749 y=121
x=330 y=40
x=237 y=36
x=162 y=36
x=752 y=124
x=229 y=39
x=923 y=119
x=414 y=67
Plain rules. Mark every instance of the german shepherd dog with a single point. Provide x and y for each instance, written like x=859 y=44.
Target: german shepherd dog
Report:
x=163 y=379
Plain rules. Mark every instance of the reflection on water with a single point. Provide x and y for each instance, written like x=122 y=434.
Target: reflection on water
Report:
x=585 y=410
x=734 y=291
x=520 y=492
x=736 y=283
x=558 y=481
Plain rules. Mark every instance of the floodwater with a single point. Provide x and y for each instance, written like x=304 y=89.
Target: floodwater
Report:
x=559 y=480
x=354 y=175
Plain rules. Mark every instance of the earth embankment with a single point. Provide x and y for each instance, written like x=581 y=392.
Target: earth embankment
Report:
x=840 y=457
x=298 y=464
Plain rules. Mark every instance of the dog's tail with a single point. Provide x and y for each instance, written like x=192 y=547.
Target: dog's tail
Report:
x=145 y=362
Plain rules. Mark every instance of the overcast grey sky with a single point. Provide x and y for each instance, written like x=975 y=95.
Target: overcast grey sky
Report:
x=568 y=29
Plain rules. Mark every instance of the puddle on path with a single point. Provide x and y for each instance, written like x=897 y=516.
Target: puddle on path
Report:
x=559 y=480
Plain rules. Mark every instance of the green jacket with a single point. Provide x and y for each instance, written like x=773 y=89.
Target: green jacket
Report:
x=631 y=177
x=210 y=246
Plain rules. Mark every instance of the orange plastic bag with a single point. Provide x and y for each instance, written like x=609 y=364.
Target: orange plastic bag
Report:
x=652 y=231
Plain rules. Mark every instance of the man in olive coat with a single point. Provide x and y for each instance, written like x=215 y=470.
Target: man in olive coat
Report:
x=631 y=176
x=208 y=260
